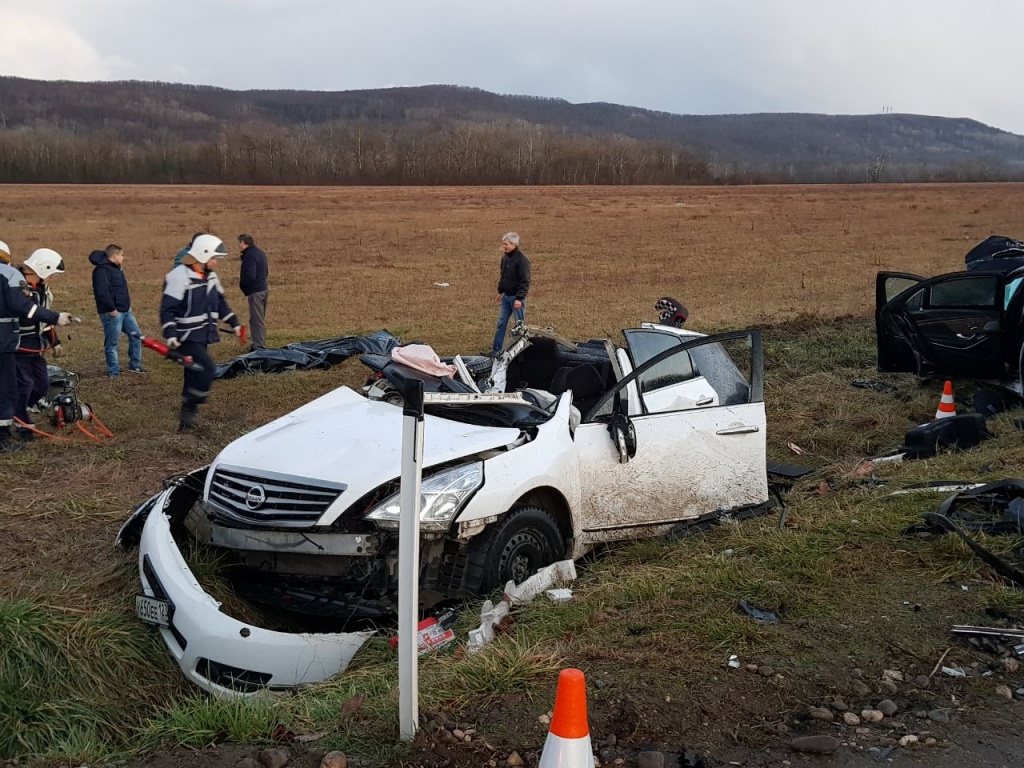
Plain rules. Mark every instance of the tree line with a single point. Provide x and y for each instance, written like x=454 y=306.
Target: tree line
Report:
x=361 y=152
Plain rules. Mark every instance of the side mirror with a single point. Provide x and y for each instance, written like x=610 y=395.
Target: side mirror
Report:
x=624 y=436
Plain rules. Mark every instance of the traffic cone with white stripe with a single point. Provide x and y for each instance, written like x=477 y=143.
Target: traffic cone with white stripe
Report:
x=947 y=407
x=568 y=742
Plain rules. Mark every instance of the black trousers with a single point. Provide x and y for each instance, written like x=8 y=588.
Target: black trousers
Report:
x=33 y=383
x=196 y=387
x=8 y=388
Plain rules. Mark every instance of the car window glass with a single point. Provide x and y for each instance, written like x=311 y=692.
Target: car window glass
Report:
x=727 y=368
x=644 y=345
x=974 y=291
x=1011 y=289
x=894 y=286
x=916 y=300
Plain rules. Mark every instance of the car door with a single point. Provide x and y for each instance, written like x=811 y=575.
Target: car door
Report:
x=951 y=325
x=689 y=461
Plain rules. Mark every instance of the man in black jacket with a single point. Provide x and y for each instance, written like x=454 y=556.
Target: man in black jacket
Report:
x=513 y=285
x=114 y=304
x=252 y=280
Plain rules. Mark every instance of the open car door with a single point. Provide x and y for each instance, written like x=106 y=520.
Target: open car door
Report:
x=683 y=458
x=951 y=325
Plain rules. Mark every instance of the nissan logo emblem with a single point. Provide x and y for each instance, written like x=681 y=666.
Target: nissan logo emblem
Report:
x=256 y=497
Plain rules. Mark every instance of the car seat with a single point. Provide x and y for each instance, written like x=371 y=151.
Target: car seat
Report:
x=586 y=384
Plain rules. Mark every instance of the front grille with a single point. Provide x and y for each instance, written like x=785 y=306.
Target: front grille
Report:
x=233 y=678
x=271 y=499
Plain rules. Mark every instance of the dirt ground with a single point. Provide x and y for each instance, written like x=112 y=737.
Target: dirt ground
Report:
x=980 y=735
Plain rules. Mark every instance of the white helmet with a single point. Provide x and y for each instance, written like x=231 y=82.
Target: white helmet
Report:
x=5 y=253
x=45 y=262
x=206 y=247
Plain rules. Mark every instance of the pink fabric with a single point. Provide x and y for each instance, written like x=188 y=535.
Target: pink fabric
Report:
x=423 y=358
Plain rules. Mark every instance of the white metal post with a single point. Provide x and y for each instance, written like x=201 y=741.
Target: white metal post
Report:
x=409 y=561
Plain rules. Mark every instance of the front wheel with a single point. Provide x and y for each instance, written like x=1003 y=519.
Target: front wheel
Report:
x=516 y=547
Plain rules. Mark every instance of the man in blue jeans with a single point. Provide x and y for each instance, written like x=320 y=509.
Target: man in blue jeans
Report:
x=110 y=289
x=513 y=285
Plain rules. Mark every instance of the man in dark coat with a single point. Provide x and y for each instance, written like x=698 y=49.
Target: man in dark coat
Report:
x=252 y=281
x=513 y=285
x=114 y=304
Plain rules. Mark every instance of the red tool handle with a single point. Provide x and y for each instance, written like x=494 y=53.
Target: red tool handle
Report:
x=171 y=354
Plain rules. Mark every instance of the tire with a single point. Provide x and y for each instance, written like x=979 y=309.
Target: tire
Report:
x=514 y=548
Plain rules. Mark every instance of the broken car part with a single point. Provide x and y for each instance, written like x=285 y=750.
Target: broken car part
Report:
x=220 y=654
x=1003 y=504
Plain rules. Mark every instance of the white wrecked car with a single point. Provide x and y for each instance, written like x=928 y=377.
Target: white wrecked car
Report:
x=603 y=443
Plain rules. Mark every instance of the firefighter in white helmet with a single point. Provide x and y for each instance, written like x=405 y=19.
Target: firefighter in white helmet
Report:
x=17 y=304
x=192 y=305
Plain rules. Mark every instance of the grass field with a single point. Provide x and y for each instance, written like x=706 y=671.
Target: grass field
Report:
x=80 y=679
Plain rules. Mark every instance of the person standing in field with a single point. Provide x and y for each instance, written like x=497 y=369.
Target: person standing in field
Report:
x=513 y=285
x=192 y=304
x=36 y=334
x=114 y=304
x=184 y=251
x=252 y=280
x=14 y=305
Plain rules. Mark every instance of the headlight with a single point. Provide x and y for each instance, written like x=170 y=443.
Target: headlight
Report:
x=441 y=497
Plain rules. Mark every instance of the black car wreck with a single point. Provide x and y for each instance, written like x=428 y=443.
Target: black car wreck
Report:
x=966 y=324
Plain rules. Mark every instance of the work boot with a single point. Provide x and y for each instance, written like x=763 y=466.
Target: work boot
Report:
x=188 y=419
x=7 y=442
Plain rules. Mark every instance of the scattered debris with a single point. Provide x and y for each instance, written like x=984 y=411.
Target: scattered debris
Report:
x=954 y=671
x=960 y=431
x=882 y=387
x=492 y=615
x=937 y=486
x=433 y=632
x=796 y=449
x=559 y=595
x=441 y=285
x=1002 y=502
x=734 y=661
x=758 y=614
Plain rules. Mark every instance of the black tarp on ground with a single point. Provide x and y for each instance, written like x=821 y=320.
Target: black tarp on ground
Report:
x=303 y=355
x=996 y=253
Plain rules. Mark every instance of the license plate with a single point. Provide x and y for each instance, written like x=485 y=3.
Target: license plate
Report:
x=153 y=611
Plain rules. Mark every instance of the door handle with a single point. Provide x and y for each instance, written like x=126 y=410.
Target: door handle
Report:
x=742 y=429
x=966 y=336
x=706 y=400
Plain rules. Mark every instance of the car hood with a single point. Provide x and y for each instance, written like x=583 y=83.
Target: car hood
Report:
x=345 y=438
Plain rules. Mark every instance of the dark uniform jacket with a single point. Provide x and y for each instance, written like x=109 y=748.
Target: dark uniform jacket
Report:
x=36 y=334
x=192 y=304
x=16 y=303
x=515 y=274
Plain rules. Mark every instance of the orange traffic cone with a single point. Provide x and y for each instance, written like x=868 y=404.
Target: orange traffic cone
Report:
x=568 y=742
x=946 y=406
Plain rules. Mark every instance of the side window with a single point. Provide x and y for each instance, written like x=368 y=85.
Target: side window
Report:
x=727 y=369
x=644 y=345
x=974 y=291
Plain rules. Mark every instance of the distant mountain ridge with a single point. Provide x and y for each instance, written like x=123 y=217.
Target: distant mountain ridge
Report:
x=753 y=147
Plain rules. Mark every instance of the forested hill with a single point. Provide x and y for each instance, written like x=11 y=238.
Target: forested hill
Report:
x=160 y=132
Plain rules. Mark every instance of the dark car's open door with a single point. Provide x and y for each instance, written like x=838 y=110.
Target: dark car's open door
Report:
x=951 y=325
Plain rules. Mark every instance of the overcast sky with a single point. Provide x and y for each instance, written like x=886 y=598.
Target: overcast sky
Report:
x=933 y=57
